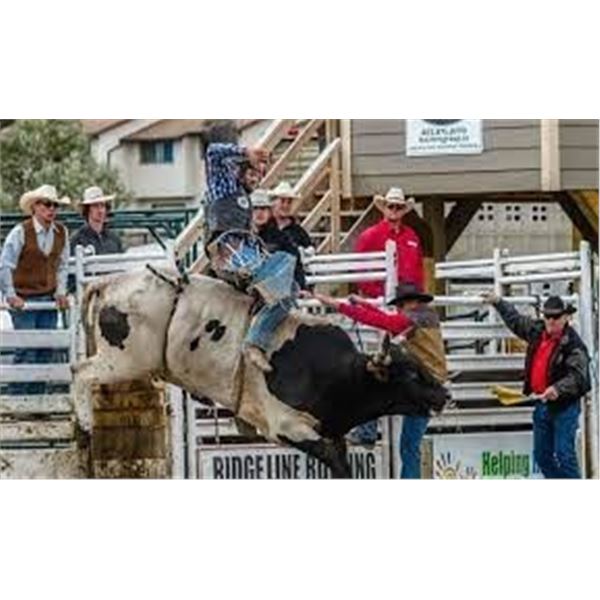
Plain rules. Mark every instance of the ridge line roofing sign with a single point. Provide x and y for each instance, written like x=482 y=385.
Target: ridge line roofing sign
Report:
x=431 y=137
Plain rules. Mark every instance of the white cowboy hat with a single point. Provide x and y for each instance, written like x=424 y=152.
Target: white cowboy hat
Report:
x=261 y=199
x=95 y=195
x=394 y=196
x=44 y=192
x=284 y=190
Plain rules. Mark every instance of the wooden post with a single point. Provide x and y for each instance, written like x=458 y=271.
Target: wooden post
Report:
x=130 y=437
x=550 y=155
x=435 y=247
x=346 y=135
x=334 y=186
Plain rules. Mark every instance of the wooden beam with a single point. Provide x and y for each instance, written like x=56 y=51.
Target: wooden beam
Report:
x=316 y=170
x=369 y=216
x=346 y=136
x=316 y=214
x=325 y=246
x=580 y=218
x=272 y=136
x=279 y=167
x=433 y=215
x=189 y=236
x=334 y=186
x=550 y=154
x=459 y=218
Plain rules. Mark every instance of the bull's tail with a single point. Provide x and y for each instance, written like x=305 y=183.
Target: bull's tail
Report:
x=89 y=312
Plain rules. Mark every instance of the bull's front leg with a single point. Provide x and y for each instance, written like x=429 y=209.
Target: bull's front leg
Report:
x=284 y=425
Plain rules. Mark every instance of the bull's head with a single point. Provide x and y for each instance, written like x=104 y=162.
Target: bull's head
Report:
x=406 y=385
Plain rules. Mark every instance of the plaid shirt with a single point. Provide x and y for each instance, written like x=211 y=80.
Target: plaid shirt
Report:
x=222 y=164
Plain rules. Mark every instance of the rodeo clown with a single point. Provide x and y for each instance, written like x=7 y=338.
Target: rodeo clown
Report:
x=236 y=254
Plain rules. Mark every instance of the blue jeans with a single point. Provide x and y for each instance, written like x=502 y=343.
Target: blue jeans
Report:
x=266 y=322
x=554 y=441
x=272 y=276
x=413 y=430
x=38 y=319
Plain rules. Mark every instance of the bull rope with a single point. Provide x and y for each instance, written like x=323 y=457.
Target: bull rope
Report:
x=178 y=286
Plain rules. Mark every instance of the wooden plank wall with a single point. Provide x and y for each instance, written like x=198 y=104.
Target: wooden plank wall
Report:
x=579 y=154
x=510 y=162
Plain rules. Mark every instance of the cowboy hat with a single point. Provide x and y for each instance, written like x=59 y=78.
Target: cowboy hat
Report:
x=555 y=307
x=409 y=291
x=44 y=192
x=261 y=199
x=394 y=196
x=95 y=195
x=284 y=190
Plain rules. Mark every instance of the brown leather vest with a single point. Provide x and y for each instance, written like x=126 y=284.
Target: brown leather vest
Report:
x=35 y=274
x=427 y=345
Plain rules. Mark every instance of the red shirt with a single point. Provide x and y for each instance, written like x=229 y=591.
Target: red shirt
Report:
x=395 y=323
x=540 y=363
x=410 y=255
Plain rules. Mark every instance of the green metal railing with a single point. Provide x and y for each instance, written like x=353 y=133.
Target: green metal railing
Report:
x=161 y=223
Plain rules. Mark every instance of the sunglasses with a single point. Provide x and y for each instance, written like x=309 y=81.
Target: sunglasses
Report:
x=49 y=204
x=396 y=206
x=552 y=317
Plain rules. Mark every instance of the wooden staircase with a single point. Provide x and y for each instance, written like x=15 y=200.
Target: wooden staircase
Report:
x=307 y=154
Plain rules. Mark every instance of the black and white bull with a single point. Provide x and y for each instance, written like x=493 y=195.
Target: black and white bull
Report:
x=138 y=326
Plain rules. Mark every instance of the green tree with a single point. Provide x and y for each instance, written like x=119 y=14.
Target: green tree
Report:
x=57 y=152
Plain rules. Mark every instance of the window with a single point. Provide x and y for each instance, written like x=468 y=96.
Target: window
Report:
x=156 y=152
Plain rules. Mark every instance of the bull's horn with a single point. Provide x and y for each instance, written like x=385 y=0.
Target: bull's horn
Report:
x=384 y=356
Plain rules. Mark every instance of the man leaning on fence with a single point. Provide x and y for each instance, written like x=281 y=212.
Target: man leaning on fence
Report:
x=33 y=269
x=557 y=376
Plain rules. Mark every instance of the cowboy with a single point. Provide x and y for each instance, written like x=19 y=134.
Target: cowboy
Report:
x=95 y=207
x=236 y=254
x=33 y=269
x=416 y=324
x=285 y=206
x=395 y=206
x=557 y=375
x=265 y=227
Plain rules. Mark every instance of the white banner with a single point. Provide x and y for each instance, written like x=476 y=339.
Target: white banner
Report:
x=274 y=462
x=431 y=137
x=484 y=456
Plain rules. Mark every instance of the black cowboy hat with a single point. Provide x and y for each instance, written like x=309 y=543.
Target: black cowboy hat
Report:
x=555 y=307
x=409 y=291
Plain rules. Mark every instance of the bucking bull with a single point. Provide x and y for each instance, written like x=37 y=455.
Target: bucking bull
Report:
x=143 y=324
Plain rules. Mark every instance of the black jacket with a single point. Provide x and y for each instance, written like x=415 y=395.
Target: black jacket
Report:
x=106 y=242
x=569 y=364
x=277 y=240
x=297 y=234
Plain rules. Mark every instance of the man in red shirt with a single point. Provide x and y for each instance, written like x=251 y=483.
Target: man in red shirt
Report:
x=410 y=255
x=557 y=373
